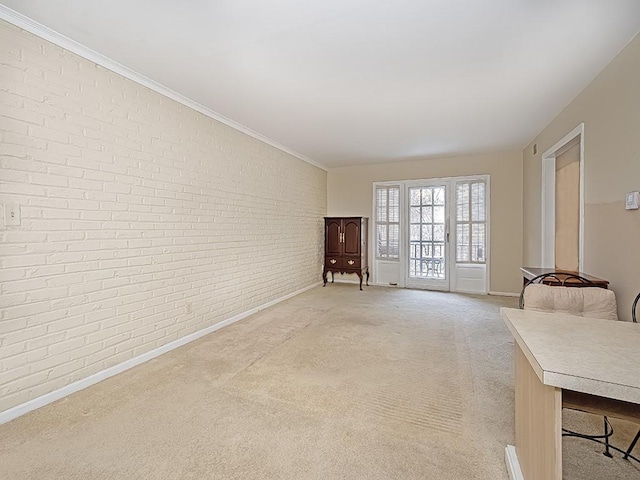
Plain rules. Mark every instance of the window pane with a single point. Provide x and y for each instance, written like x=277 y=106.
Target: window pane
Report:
x=394 y=196
x=394 y=204
x=387 y=216
x=427 y=196
x=414 y=196
x=415 y=233
x=438 y=214
x=381 y=208
x=462 y=243
x=394 y=241
x=414 y=214
x=427 y=216
x=438 y=195
x=477 y=202
x=394 y=214
x=426 y=233
x=382 y=197
x=462 y=202
x=478 y=249
x=471 y=217
x=438 y=233
x=381 y=241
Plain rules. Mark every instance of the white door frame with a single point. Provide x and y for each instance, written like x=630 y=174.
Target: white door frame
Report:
x=548 y=201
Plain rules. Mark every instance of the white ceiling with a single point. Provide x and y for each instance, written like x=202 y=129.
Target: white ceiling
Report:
x=347 y=82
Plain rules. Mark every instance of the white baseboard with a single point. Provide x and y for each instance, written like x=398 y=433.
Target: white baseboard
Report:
x=356 y=281
x=513 y=465
x=48 y=398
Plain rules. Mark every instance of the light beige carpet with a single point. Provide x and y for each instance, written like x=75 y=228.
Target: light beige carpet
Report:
x=332 y=384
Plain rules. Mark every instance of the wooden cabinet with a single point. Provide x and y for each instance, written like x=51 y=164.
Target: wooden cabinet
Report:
x=345 y=247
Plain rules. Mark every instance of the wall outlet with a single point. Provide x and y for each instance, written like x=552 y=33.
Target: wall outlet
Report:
x=11 y=214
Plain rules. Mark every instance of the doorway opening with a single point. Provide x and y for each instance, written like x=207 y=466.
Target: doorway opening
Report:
x=563 y=203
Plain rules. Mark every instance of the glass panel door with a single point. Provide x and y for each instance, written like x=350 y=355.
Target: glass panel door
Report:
x=428 y=236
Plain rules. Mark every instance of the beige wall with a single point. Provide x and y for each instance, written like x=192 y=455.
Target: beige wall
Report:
x=610 y=109
x=143 y=221
x=350 y=192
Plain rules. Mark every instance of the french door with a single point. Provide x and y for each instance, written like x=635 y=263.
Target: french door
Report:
x=428 y=236
x=433 y=234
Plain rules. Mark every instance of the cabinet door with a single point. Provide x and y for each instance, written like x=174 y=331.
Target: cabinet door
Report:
x=352 y=237
x=332 y=237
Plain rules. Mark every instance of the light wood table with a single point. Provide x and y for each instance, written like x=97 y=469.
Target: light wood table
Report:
x=556 y=352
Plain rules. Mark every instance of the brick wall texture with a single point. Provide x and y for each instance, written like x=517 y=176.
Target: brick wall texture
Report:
x=142 y=220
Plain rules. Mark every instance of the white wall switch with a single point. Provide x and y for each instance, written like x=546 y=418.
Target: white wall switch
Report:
x=631 y=201
x=11 y=214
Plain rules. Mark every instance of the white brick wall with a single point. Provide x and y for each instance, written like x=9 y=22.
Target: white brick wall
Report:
x=142 y=220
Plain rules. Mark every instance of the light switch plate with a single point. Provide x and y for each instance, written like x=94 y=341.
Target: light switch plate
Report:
x=11 y=214
x=631 y=202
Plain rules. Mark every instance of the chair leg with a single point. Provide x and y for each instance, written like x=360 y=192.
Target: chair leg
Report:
x=631 y=447
x=602 y=439
x=607 y=434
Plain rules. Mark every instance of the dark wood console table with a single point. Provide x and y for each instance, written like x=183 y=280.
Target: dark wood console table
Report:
x=530 y=272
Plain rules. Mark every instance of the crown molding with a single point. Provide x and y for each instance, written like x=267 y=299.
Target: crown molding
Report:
x=31 y=26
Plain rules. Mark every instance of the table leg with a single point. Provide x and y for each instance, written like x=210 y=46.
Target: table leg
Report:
x=538 y=424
